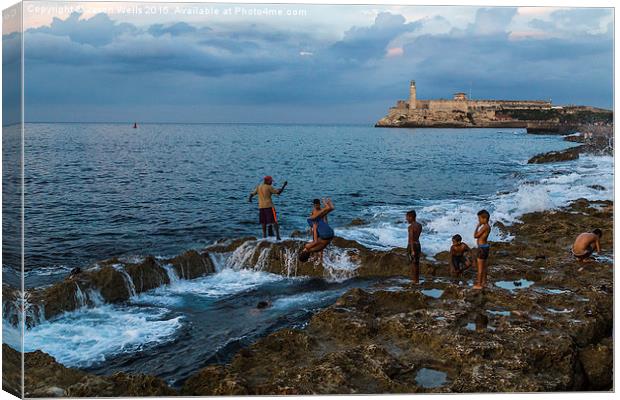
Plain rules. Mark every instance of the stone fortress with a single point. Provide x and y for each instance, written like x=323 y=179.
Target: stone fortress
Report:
x=459 y=112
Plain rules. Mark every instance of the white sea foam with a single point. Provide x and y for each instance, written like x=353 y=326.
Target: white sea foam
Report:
x=223 y=283
x=340 y=264
x=11 y=334
x=90 y=335
x=307 y=299
x=544 y=187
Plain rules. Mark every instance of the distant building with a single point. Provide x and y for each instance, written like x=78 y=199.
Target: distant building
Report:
x=460 y=111
x=460 y=103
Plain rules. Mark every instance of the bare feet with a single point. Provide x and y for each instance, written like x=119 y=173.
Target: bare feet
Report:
x=478 y=287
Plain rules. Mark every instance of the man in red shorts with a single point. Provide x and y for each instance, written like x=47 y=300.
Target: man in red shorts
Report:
x=266 y=210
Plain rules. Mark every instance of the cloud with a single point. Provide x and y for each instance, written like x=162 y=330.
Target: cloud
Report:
x=492 y=20
x=575 y=22
x=97 y=31
x=178 y=29
x=364 y=43
x=187 y=72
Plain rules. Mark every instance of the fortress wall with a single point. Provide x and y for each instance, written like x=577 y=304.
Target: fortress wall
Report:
x=401 y=105
x=447 y=105
x=478 y=106
x=422 y=104
x=529 y=104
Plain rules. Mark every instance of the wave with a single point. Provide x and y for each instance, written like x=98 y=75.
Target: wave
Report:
x=540 y=187
x=88 y=336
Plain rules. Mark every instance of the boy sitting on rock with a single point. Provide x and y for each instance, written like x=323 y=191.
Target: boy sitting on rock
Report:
x=459 y=256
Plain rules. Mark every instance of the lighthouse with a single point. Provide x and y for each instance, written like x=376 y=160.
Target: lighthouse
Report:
x=412 y=95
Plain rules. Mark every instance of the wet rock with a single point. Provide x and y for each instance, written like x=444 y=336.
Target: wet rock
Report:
x=557 y=156
x=147 y=275
x=119 y=385
x=11 y=371
x=263 y=304
x=213 y=381
x=574 y=138
x=109 y=281
x=597 y=187
x=525 y=339
x=227 y=246
x=597 y=363
x=44 y=377
x=191 y=265
x=357 y=222
x=281 y=258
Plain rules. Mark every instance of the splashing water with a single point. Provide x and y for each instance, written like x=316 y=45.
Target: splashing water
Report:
x=173 y=277
x=340 y=264
x=87 y=336
x=542 y=187
x=131 y=287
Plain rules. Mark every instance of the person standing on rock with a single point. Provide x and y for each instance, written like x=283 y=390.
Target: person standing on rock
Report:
x=266 y=211
x=414 y=250
x=481 y=234
x=586 y=244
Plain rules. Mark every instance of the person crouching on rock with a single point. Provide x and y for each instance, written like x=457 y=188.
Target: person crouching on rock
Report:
x=322 y=233
x=586 y=244
x=414 y=250
x=459 y=260
x=266 y=210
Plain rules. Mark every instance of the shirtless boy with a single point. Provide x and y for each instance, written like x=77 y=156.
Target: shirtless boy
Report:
x=459 y=260
x=414 y=249
x=481 y=234
x=586 y=244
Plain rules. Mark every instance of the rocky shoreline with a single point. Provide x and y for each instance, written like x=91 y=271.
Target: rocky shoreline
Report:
x=544 y=324
x=559 y=120
x=593 y=139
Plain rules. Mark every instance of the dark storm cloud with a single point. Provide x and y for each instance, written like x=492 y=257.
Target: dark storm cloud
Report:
x=250 y=72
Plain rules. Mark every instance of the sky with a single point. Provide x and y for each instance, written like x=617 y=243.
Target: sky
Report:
x=106 y=62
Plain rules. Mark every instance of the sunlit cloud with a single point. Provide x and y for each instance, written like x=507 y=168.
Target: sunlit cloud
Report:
x=395 y=52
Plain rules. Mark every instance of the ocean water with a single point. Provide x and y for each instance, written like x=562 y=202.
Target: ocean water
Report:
x=94 y=191
x=100 y=190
